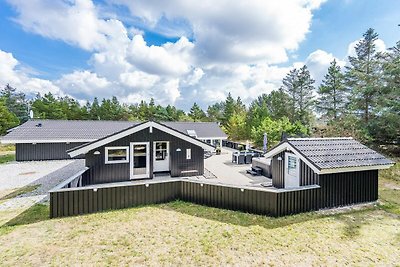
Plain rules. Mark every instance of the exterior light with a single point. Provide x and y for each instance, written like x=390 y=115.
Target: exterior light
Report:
x=279 y=158
x=178 y=150
x=242 y=189
x=147 y=185
x=201 y=184
x=96 y=153
x=94 y=189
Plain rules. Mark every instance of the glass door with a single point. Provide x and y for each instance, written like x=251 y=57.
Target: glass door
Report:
x=139 y=161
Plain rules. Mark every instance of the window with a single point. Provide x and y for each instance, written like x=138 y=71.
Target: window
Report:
x=117 y=154
x=292 y=165
x=188 y=153
x=192 y=133
x=161 y=150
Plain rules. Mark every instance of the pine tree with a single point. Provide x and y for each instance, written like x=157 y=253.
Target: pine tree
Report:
x=196 y=113
x=332 y=93
x=363 y=76
x=299 y=85
x=15 y=102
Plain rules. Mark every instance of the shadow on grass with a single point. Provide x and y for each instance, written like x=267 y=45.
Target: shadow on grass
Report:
x=21 y=191
x=36 y=213
x=353 y=220
x=238 y=217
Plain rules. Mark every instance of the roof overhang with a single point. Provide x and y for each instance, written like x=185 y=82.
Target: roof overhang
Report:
x=46 y=141
x=150 y=124
x=288 y=147
x=285 y=146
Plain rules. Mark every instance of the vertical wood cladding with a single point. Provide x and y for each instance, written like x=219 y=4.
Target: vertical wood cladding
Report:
x=179 y=165
x=307 y=175
x=44 y=151
x=339 y=189
x=335 y=190
x=75 y=201
x=278 y=170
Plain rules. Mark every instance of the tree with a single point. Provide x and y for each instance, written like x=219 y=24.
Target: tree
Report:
x=229 y=109
x=236 y=127
x=299 y=85
x=48 y=107
x=7 y=118
x=15 y=102
x=215 y=112
x=332 y=93
x=274 y=130
x=363 y=76
x=196 y=113
x=94 y=110
x=385 y=127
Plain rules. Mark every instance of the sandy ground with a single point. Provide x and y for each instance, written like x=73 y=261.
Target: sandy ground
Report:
x=19 y=174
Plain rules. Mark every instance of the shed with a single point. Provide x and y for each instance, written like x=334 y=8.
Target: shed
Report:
x=345 y=169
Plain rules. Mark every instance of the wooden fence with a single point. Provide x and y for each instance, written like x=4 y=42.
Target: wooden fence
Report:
x=272 y=202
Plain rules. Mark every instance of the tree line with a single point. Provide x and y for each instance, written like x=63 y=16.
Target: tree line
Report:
x=360 y=100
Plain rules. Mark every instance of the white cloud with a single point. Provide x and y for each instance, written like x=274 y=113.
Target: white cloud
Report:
x=351 y=48
x=85 y=83
x=10 y=73
x=318 y=63
x=222 y=46
x=234 y=31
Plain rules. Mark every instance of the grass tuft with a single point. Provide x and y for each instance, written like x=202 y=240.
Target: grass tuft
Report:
x=7 y=158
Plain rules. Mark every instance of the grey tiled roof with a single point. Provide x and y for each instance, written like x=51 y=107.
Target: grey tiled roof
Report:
x=93 y=130
x=330 y=153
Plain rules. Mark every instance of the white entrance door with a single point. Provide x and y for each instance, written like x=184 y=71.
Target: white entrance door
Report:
x=292 y=173
x=140 y=160
x=161 y=156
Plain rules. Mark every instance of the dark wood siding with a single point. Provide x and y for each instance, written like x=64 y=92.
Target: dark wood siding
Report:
x=278 y=170
x=340 y=189
x=179 y=165
x=307 y=175
x=44 y=151
x=75 y=201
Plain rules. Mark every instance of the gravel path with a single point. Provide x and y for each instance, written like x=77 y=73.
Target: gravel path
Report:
x=19 y=174
x=52 y=179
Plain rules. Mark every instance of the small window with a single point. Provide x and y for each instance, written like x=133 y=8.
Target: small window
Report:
x=192 y=133
x=292 y=165
x=116 y=155
x=188 y=153
x=161 y=150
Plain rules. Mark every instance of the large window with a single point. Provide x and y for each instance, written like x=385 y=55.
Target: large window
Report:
x=117 y=154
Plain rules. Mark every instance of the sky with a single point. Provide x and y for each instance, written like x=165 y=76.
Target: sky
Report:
x=180 y=51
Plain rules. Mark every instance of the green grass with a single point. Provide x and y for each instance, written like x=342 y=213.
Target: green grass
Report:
x=7 y=158
x=181 y=233
x=7 y=148
x=21 y=191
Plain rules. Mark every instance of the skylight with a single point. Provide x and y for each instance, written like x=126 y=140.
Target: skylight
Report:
x=192 y=133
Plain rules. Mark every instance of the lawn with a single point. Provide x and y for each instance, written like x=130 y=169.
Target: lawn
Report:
x=7 y=158
x=180 y=233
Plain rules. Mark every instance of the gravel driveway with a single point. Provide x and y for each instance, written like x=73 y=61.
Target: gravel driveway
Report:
x=47 y=174
x=19 y=174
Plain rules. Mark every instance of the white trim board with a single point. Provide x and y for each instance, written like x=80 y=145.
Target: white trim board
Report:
x=86 y=148
x=46 y=141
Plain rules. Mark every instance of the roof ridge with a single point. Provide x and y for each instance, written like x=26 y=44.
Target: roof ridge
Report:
x=319 y=138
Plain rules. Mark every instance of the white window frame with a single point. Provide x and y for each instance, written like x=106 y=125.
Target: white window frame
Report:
x=188 y=153
x=106 y=161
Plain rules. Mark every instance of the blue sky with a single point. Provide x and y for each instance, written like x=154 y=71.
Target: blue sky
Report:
x=181 y=51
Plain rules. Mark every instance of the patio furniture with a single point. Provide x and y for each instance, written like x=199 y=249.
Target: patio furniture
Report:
x=248 y=158
x=255 y=171
x=241 y=159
